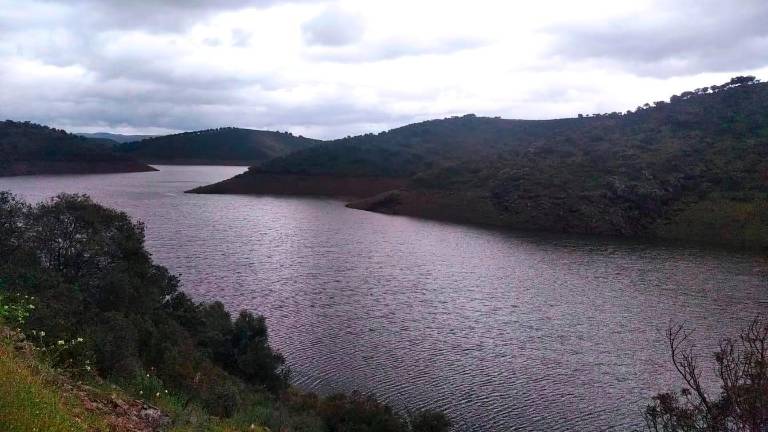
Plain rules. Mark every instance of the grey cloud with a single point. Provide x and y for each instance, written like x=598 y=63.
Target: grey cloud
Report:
x=694 y=36
x=156 y=15
x=194 y=111
x=333 y=27
x=393 y=49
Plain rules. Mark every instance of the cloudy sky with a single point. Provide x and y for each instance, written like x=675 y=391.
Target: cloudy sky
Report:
x=330 y=68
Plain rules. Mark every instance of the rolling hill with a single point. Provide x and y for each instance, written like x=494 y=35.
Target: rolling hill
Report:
x=693 y=168
x=116 y=138
x=27 y=148
x=223 y=146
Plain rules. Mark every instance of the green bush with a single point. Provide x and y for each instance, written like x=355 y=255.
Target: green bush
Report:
x=94 y=280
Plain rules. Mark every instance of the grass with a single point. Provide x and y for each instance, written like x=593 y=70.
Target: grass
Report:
x=30 y=401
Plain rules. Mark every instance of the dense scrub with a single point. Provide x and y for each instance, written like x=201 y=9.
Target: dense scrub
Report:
x=647 y=172
x=94 y=302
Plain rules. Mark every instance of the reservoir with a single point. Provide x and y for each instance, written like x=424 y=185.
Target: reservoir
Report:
x=503 y=330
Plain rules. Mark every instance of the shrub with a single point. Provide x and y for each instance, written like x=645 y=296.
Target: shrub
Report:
x=95 y=280
x=742 y=369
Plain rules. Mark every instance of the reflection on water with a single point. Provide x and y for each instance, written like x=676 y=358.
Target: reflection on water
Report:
x=505 y=331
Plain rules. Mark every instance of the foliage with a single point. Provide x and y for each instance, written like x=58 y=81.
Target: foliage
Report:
x=14 y=308
x=95 y=282
x=742 y=370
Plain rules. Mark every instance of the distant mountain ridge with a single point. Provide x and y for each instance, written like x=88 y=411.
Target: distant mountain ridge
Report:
x=27 y=148
x=693 y=168
x=117 y=138
x=226 y=146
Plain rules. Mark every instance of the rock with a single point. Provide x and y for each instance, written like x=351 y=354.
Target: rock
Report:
x=154 y=417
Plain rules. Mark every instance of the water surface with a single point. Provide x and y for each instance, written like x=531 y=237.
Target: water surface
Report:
x=503 y=330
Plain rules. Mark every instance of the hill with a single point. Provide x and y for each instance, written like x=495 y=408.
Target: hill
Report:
x=116 y=138
x=693 y=168
x=27 y=148
x=224 y=146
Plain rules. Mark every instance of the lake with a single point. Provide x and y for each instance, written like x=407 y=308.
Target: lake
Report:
x=503 y=330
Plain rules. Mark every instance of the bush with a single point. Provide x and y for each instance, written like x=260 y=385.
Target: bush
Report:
x=95 y=280
x=742 y=369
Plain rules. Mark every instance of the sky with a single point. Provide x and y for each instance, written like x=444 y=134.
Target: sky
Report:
x=332 y=68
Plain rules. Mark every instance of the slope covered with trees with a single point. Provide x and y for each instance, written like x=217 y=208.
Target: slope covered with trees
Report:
x=28 y=148
x=226 y=146
x=694 y=168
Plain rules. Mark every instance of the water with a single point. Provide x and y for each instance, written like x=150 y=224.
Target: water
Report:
x=505 y=331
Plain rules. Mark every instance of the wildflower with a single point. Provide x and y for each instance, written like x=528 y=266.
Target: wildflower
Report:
x=42 y=333
x=166 y=392
x=88 y=368
x=31 y=306
x=141 y=392
x=157 y=394
x=79 y=339
x=61 y=342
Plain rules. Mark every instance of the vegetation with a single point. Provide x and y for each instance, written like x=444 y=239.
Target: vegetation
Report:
x=222 y=145
x=656 y=172
x=28 y=402
x=28 y=148
x=742 y=372
x=76 y=279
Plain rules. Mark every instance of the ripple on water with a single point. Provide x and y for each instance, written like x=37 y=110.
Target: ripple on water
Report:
x=505 y=331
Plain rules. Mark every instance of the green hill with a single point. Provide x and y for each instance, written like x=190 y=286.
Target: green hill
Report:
x=28 y=148
x=693 y=168
x=226 y=146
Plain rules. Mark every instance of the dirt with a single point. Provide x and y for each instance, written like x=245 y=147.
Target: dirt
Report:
x=295 y=184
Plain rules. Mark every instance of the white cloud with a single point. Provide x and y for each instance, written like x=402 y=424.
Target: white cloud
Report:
x=336 y=67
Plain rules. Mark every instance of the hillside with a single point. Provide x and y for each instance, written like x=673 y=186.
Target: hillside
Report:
x=224 y=146
x=27 y=148
x=693 y=168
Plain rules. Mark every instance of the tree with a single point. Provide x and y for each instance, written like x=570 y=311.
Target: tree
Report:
x=742 y=369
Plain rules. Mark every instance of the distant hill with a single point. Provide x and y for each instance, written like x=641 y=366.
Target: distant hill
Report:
x=693 y=168
x=28 y=148
x=225 y=146
x=117 y=138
